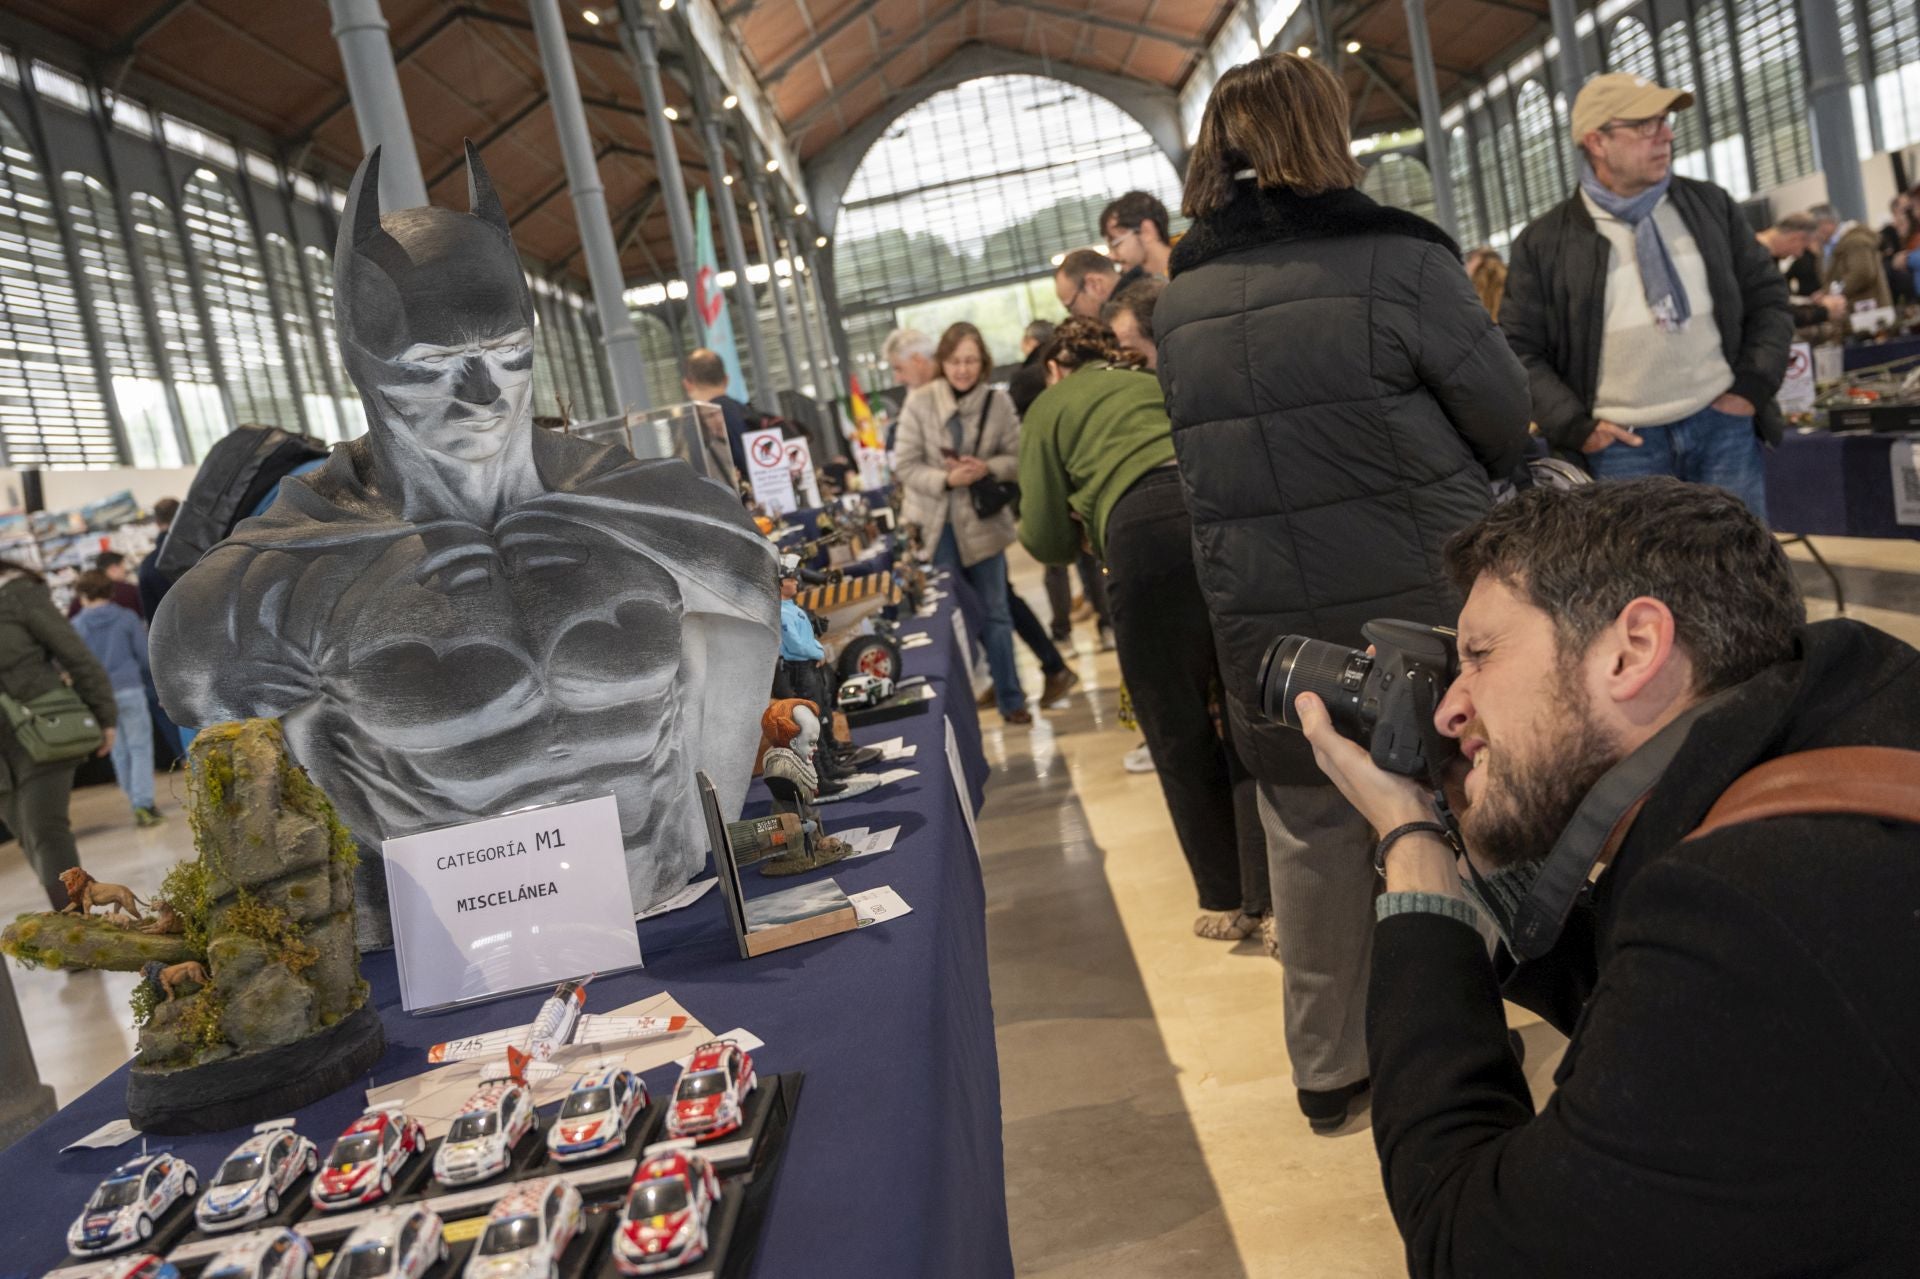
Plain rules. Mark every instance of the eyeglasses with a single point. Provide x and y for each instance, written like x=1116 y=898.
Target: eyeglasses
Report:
x=1647 y=128
x=1115 y=241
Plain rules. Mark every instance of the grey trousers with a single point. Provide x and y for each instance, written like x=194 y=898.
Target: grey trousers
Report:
x=1321 y=869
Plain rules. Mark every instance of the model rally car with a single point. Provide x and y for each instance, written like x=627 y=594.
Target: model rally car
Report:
x=711 y=1097
x=527 y=1232
x=278 y=1254
x=249 y=1184
x=144 y=1266
x=394 y=1243
x=857 y=692
x=370 y=1153
x=480 y=1143
x=595 y=1117
x=663 y=1224
x=126 y=1205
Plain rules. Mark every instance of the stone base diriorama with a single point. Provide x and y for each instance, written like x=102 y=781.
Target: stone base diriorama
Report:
x=253 y=1003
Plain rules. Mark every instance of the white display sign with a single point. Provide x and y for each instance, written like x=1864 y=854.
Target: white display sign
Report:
x=767 y=471
x=873 y=467
x=958 y=775
x=800 y=470
x=1829 y=362
x=1796 y=393
x=1905 y=458
x=510 y=903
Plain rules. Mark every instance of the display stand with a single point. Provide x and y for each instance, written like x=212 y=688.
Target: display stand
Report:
x=911 y=697
x=577 y=1262
x=296 y=1202
x=166 y=1232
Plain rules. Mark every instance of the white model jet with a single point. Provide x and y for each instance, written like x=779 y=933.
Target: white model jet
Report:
x=559 y=1024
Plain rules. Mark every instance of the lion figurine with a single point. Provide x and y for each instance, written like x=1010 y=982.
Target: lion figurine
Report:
x=170 y=977
x=84 y=892
x=165 y=919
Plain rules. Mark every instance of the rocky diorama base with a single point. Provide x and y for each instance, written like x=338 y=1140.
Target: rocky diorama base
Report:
x=256 y=1006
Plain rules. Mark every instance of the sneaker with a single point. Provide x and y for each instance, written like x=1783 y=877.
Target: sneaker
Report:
x=1326 y=1109
x=1058 y=685
x=1138 y=760
x=1017 y=717
x=987 y=700
x=1107 y=643
x=144 y=817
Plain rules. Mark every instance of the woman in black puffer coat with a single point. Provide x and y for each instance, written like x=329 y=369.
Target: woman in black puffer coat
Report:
x=1340 y=401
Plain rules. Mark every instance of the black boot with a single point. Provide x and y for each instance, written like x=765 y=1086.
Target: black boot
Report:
x=1326 y=1109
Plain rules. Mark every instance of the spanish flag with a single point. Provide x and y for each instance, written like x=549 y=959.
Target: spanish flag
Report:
x=865 y=433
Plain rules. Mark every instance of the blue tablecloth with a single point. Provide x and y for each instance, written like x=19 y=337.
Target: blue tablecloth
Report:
x=1833 y=486
x=893 y=1167
x=1864 y=355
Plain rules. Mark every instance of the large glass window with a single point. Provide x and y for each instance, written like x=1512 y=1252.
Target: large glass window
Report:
x=283 y=261
x=1402 y=181
x=51 y=410
x=1768 y=40
x=201 y=402
x=238 y=303
x=1676 y=58
x=1729 y=149
x=1631 y=49
x=983 y=183
x=1894 y=36
x=319 y=271
x=1466 y=206
x=139 y=392
x=1538 y=138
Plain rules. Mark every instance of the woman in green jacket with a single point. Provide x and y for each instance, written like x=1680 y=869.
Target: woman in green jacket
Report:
x=37 y=645
x=1096 y=465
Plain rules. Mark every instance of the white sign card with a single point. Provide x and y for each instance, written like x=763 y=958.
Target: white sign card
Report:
x=510 y=903
x=1829 y=362
x=800 y=471
x=1904 y=455
x=959 y=776
x=767 y=471
x=1796 y=393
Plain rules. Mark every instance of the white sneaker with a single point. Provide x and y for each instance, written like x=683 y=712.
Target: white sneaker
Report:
x=1138 y=760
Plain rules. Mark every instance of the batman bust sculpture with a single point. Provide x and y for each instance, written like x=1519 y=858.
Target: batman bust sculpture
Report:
x=460 y=615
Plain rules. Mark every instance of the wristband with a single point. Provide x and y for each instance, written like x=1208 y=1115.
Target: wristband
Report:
x=1387 y=841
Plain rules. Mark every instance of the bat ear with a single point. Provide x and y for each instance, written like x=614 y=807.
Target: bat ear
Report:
x=482 y=200
x=360 y=220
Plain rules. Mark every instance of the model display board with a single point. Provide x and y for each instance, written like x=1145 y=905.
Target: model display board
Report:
x=461 y=614
x=253 y=1003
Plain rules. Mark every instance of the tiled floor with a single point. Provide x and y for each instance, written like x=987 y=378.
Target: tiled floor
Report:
x=1150 y=1122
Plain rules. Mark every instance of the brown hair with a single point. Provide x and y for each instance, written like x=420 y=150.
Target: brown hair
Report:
x=1081 y=263
x=1139 y=298
x=1134 y=210
x=1284 y=117
x=94 y=585
x=706 y=368
x=777 y=723
x=950 y=342
x=1490 y=282
x=1079 y=342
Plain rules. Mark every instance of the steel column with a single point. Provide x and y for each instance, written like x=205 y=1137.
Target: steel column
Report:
x=622 y=344
x=1573 y=71
x=801 y=309
x=373 y=85
x=1832 y=101
x=334 y=392
x=279 y=306
x=746 y=307
x=770 y=249
x=1421 y=47
x=643 y=46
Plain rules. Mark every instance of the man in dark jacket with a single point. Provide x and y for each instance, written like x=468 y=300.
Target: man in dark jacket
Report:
x=706 y=379
x=151 y=581
x=1339 y=400
x=1739 y=1096
x=1654 y=328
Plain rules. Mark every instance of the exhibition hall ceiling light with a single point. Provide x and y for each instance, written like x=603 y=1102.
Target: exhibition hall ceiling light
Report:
x=728 y=179
x=666 y=5
x=1305 y=51
x=592 y=16
x=819 y=241
x=670 y=113
x=1353 y=46
x=800 y=209
x=729 y=102
x=773 y=166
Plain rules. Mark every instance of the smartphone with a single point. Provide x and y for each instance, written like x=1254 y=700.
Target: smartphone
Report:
x=949 y=454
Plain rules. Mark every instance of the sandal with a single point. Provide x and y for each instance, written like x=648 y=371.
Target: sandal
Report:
x=1225 y=925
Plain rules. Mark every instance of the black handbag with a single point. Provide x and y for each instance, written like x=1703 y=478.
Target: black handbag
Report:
x=991 y=495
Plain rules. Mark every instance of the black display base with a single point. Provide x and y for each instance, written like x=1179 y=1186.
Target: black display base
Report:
x=167 y=1232
x=596 y=1228
x=733 y=1235
x=908 y=700
x=295 y=1203
x=241 y=1091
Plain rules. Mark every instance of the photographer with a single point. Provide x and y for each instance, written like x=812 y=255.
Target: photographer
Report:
x=1739 y=1095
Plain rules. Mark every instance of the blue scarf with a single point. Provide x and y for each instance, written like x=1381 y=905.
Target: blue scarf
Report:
x=1666 y=296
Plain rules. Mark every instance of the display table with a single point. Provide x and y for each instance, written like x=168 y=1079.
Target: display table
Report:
x=893 y=1163
x=1866 y=355
x=1833 y=486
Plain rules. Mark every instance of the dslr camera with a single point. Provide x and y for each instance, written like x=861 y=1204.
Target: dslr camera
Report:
x=1384 y=700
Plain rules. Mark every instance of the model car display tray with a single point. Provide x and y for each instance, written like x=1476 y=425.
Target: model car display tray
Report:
x=912 y=697
x=577 y=1262
x=733 y=1233
x=166 y=1232
x=294 y=1205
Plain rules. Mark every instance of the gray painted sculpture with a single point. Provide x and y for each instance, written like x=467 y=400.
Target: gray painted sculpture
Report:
x=459 y=614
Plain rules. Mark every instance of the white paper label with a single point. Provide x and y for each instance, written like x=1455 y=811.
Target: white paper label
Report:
x=685 y=897
x=105 y=1137
x=878 y=905
x=959 y=777
x=1829 y=362
x=1796 y=393
x=501 y=905
x=1904 y=456
x=800 y=471
x=767 y=471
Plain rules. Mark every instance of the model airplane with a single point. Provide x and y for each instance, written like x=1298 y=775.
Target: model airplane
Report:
x=559 y=1024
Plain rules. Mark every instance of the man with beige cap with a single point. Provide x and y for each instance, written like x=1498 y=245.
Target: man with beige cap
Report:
x=1654 y=328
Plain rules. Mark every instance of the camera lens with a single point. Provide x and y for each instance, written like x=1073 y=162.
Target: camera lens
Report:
x=1295 y=665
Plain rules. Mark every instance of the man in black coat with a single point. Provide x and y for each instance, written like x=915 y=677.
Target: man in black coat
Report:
x=706 y=379
x=1740 y=1095
x=1654 y=327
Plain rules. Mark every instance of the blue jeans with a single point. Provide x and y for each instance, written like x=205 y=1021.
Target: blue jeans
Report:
x=133 y=746
x=1710 y=447
x=989 y=581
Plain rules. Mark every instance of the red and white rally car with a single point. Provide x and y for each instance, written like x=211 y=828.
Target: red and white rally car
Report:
x=364 y=1162
x=480 y=1144
x=663 y=1224
x=142 y=1266
x=393 y=1243
x=711 y=1097
x=597 y=1114
x=127 y=1205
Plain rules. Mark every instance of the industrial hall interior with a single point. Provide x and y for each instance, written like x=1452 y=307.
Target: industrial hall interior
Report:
x=956 y=639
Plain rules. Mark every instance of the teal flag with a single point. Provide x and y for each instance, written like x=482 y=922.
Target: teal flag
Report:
x=716 y=320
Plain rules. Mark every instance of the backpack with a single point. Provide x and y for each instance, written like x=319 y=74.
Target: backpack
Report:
x=235 y=475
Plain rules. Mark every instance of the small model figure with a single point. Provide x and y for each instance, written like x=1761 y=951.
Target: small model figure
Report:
x=361 y=1167
x=595 y=1117
x=395 y=1243
x=126 y=1206
x=862 y=691
x=793 y=726
x=528 y=1232
x=165 y=922
x=560 y=1023
x=278 y=1254
x=169 y=978
x=84 y=892
x=663 y=1224
x=481 y=1142
x=711 y=1098
x=249 y=1183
